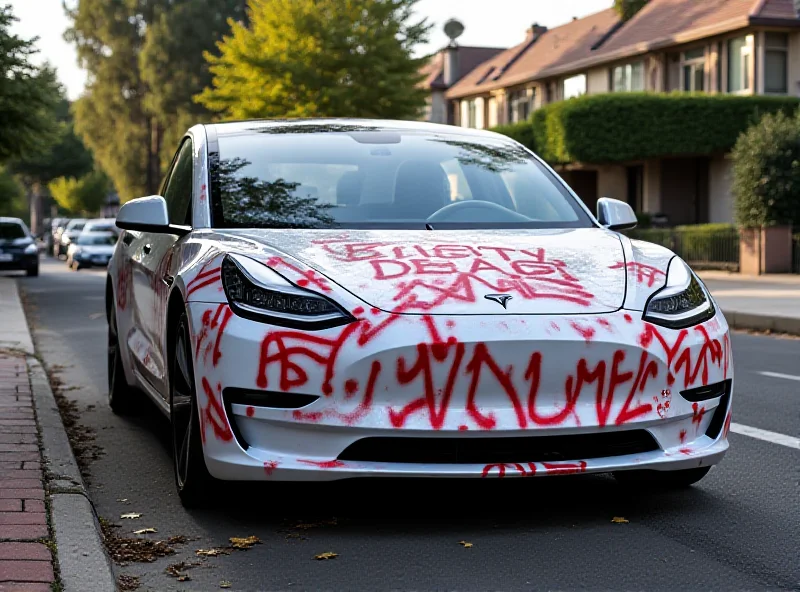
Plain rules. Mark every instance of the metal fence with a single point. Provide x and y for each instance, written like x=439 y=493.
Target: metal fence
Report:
x=705 y=247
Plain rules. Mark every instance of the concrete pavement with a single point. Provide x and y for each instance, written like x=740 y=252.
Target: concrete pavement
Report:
x=761 y=303
x=37 y=471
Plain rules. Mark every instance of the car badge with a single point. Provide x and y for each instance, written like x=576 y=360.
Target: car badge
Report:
x=501 y=299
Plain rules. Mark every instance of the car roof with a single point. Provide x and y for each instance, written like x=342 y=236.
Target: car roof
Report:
x=343 y=125
x=9 y=220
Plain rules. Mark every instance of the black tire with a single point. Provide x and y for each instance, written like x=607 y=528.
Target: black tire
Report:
x=32 y=271
x=662 y=479
x=122 y=398
x=194 y=483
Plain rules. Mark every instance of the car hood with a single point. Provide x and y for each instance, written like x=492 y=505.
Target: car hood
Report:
x=569 y=271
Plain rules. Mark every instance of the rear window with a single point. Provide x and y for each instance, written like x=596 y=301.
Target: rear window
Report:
x=75 y=225
x=351 y=177
x=12 y=231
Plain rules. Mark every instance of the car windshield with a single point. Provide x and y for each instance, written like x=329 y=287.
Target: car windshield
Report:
x=302 y=176
x=100 y=239
x=75 y=225
x=11 y=231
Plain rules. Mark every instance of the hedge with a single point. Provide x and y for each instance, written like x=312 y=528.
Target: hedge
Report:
x=618 y=127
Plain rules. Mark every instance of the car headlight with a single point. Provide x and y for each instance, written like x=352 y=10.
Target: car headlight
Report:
x=31 y=249
x=682 y=302
x=256 y=292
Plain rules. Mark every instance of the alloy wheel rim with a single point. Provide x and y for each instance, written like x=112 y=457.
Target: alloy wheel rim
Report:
x=183 y=410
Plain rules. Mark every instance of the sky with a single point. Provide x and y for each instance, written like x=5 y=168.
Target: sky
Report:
x=491 y=23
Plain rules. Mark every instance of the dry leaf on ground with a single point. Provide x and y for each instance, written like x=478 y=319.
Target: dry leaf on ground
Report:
x=211 y=552
x=145 y=531
x=244 y=542
x=619 y=520
x=131 y=516
x=465 y=544
x=224 y=584
x=326 y=555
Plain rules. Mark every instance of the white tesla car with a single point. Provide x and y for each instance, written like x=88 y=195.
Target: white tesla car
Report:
x=325 y=299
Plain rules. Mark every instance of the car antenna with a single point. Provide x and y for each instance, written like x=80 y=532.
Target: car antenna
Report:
x=428 y=226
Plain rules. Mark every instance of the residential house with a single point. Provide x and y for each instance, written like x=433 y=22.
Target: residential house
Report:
x=446 y=68
x=713 y=46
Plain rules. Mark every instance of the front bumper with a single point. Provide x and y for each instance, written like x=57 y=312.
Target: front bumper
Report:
x=286 y=405
x=19 y=261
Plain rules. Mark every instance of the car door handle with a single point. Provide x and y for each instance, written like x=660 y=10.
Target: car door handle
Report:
x=147 y=248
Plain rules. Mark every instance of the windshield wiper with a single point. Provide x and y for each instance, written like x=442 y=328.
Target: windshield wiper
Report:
x=428 y=226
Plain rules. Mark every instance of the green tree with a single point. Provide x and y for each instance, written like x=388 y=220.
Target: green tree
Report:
x=13 y=201
x=145 y=63
x=766 y=172
x=316 y=58
x=85 y=195
x=173 y=67
x=28 y=96
x=627 y=8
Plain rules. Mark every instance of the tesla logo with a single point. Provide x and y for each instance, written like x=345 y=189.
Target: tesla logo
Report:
x=501 y=299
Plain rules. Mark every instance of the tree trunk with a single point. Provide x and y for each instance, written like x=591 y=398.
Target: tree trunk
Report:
x=153 y=158
x=36 y=212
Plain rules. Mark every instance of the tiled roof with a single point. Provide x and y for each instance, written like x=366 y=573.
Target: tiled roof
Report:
x=525 y=61
x=601 y=37
x=468 y=59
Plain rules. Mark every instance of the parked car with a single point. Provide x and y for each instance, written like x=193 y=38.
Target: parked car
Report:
x=73 y=228
x=101 y=225
x=329 y=299
x=18 y=250
x=91 y=248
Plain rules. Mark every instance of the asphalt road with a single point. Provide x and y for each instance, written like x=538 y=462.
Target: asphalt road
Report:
x=739 y=529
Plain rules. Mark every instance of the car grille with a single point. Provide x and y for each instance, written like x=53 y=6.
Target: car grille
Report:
x=464 y=450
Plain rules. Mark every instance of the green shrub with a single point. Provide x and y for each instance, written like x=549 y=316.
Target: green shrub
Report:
x=522 y=132
x=618 y=127
x=708 y=242
x=766 y=172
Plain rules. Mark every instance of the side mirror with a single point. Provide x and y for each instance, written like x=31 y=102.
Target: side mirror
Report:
x=615 y=214
x=148 y=214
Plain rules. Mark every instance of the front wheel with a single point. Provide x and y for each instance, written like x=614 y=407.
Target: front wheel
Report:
x=122 y=398
x=192 y=479
x=662 y=479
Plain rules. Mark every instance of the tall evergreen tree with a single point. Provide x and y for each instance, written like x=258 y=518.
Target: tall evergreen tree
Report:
x=303 y=58
x=144 y=59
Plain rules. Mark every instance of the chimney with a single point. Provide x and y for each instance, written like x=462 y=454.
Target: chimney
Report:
x=453 y=29
x=536 y=31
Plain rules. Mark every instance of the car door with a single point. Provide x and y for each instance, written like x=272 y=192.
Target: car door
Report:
x=154 y=262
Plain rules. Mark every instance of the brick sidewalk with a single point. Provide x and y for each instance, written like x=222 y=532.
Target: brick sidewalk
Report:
x=25 y=563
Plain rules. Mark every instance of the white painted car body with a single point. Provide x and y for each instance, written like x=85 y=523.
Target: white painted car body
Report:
x=430 y=378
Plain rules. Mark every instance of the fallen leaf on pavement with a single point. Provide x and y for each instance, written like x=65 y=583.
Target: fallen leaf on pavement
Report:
x=244 y=543
x=211 y=552
x=465 y=544
x=619 y=520
x=145 y=531
x=326 y=555
x=131 y=515
x=124 y=500
x=224 y=584
x=184 y=578
x=127 y=582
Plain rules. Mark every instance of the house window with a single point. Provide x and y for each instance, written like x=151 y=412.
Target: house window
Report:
x=694 y=70
x=574 y=86
x=472 y=113
x=628 y=78
x=776 y=63
x=740 y=57
x=520 y=105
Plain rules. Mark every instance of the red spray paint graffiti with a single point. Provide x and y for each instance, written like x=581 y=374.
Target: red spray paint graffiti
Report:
x=644 y=274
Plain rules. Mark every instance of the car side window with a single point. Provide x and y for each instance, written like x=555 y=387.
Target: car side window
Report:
x=178 y=190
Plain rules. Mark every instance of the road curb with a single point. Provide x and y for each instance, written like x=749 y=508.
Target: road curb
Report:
x=758 y=322
x=82 y=559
